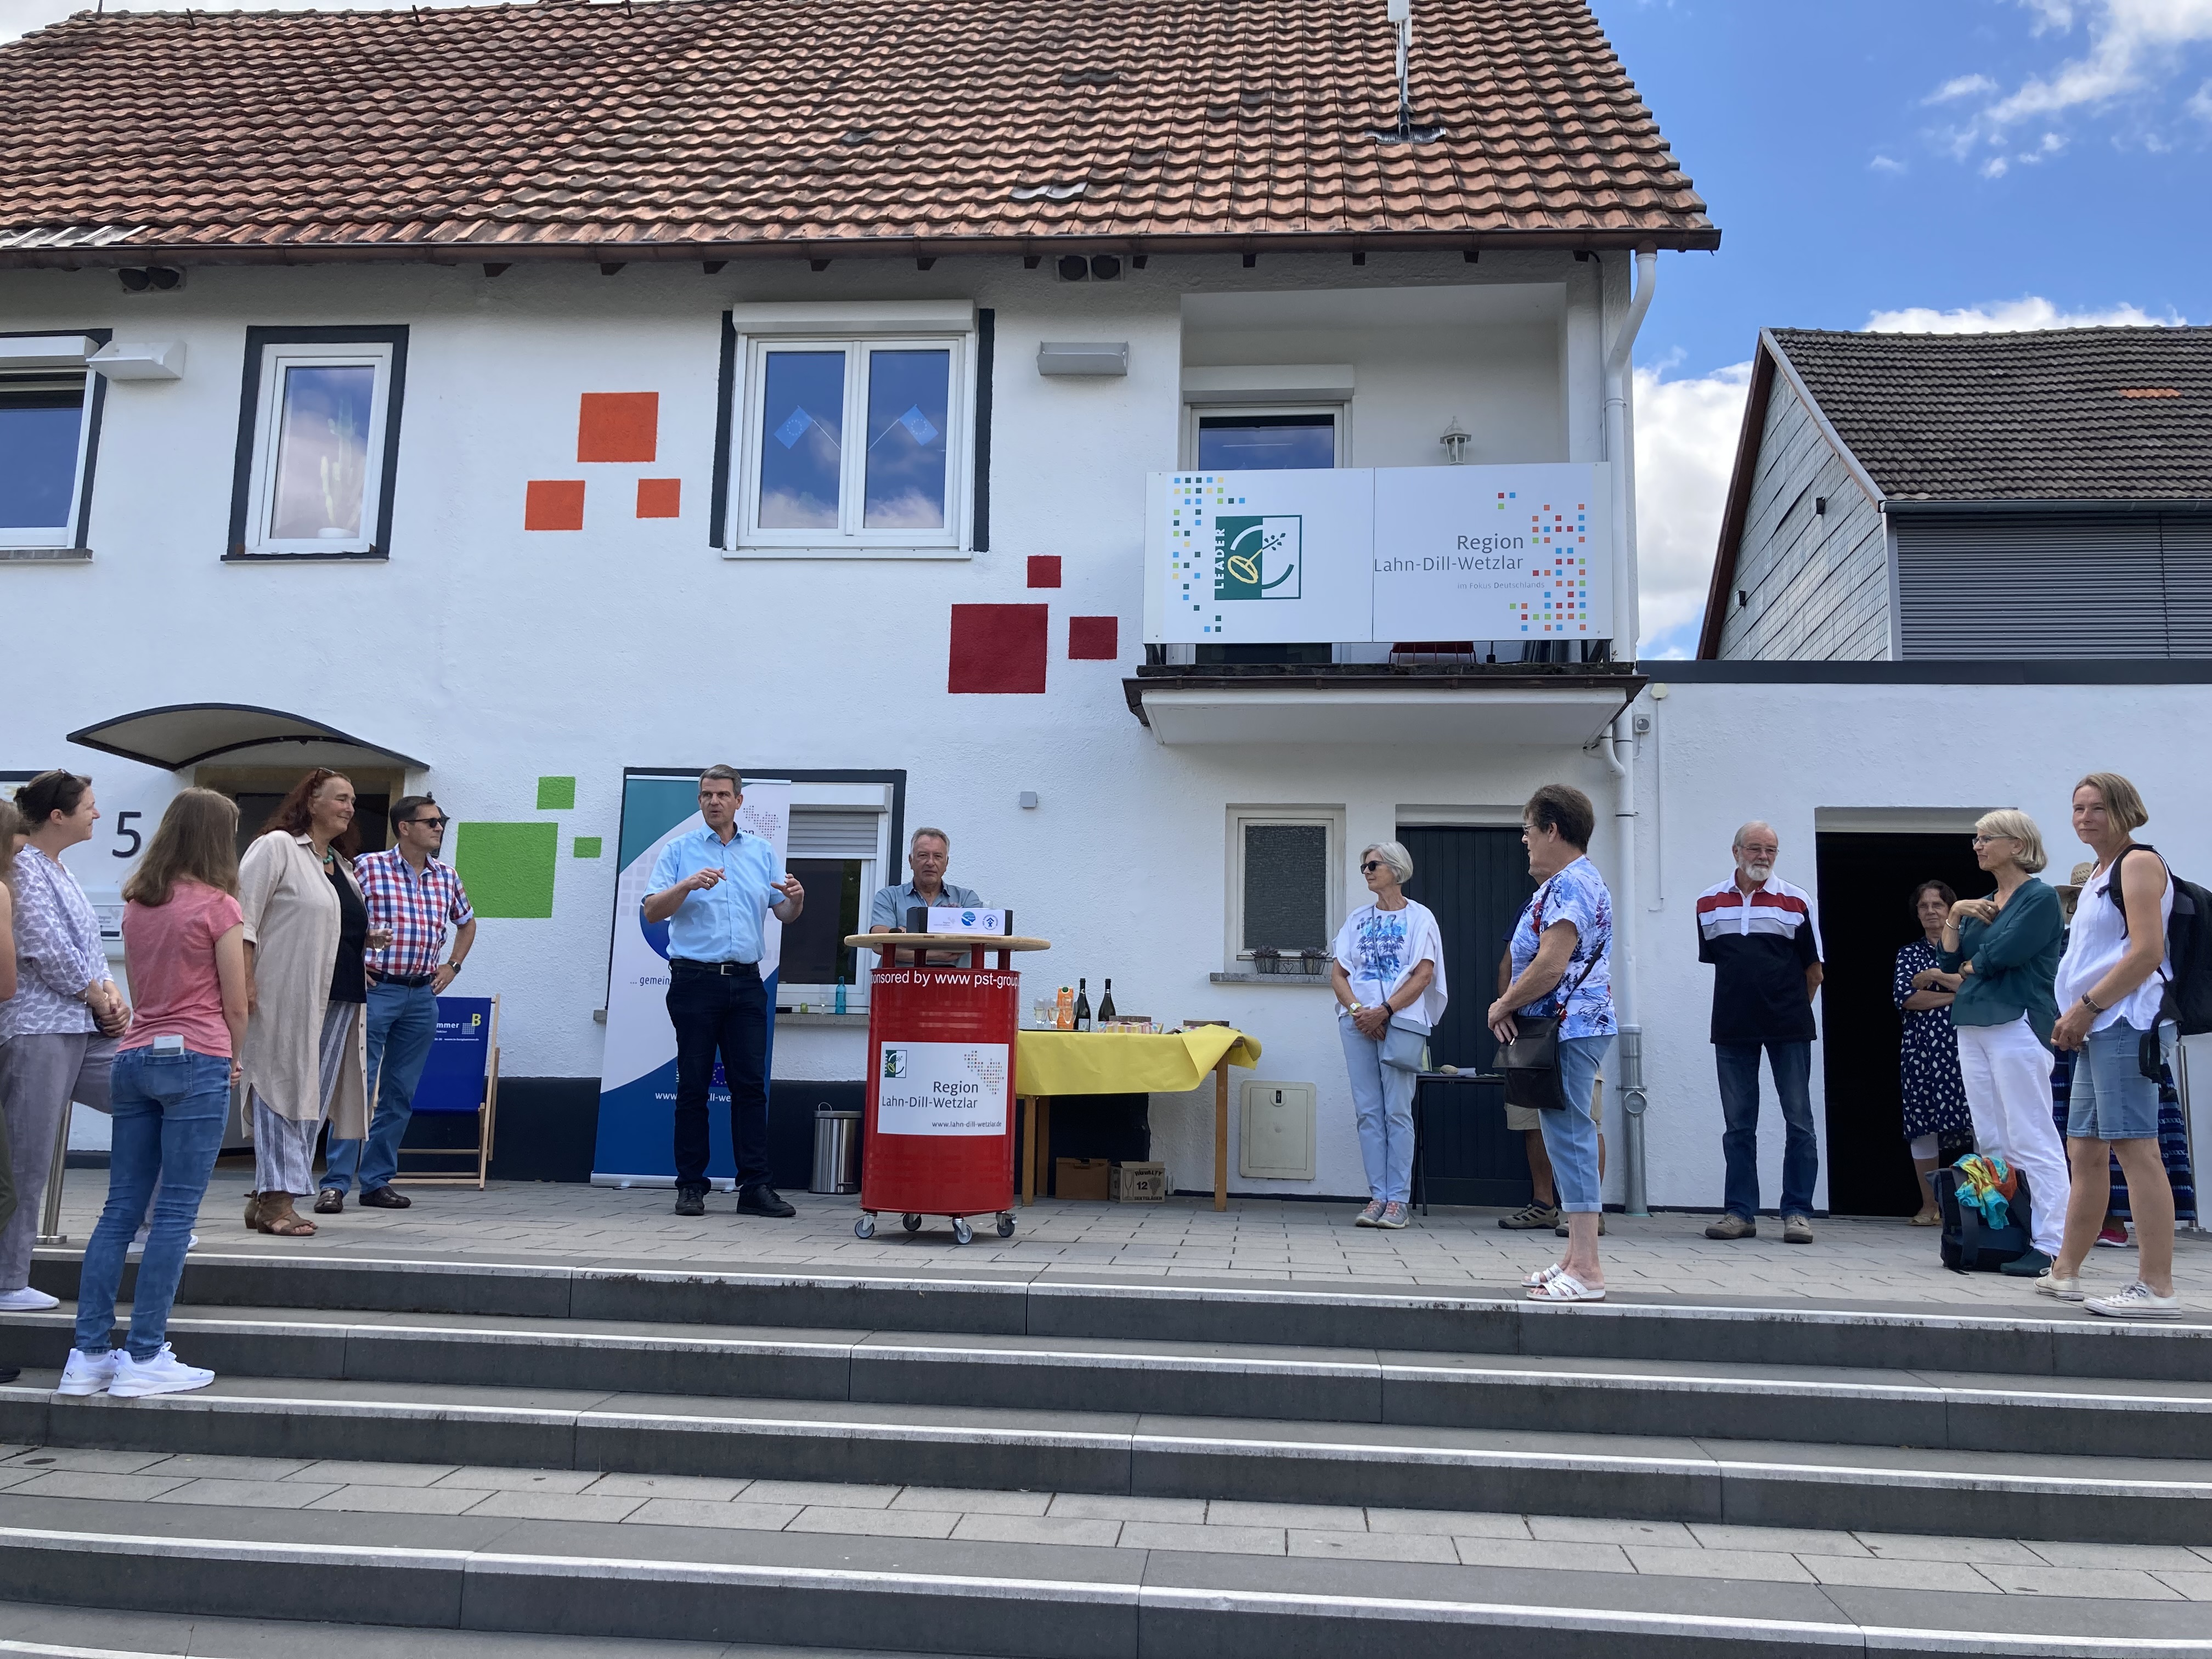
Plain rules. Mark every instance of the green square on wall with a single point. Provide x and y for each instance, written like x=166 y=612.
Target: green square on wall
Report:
x=589 y=847
x=509 y=868
x=556 y=795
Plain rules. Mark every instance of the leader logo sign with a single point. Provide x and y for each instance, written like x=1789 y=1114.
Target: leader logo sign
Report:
x=1258 y=557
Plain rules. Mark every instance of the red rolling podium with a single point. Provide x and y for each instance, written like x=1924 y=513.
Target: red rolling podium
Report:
x=939 y=1118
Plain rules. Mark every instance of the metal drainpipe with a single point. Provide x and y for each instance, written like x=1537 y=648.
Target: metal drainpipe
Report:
x=1618 y=746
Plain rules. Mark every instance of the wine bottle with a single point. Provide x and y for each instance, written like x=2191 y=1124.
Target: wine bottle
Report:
x=1082 y=1006
x=1106 y=1005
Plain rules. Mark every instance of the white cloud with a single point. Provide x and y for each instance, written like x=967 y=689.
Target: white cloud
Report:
x=1685 y=439
x=2011 y=316
x=2201 y=105
x=1960 y=86
x=1886 y=164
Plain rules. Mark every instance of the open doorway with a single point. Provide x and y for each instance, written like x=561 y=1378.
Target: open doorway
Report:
x=259 y=790
x=1866 y=882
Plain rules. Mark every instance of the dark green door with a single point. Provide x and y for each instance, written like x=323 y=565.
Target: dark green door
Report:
x=1476 y=881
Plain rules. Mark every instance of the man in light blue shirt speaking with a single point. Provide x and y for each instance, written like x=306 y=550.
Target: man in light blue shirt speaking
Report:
x=713 y=887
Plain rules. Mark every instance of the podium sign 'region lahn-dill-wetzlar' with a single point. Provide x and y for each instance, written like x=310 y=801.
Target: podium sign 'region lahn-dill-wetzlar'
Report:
x=1379 y=553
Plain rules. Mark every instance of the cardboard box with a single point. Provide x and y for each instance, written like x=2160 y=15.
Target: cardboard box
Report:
x=1080 y=1177
x=1138 y=1183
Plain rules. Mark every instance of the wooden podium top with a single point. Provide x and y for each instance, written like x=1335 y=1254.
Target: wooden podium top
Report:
x=945 y=942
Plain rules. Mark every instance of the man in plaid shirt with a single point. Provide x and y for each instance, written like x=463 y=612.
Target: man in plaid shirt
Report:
x=409 y=891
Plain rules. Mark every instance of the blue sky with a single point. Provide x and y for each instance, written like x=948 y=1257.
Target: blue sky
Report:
x=1942 y=163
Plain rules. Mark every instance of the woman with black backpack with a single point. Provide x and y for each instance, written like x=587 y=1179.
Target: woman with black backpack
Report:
x=2112 y=986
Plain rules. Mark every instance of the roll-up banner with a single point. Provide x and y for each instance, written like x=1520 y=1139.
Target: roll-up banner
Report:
x=637 y=1077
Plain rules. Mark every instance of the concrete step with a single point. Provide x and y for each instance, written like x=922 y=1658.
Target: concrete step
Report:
x=588 y=1581
x=1862 y=1407
x=1673 y=1478
x=2042 y=1339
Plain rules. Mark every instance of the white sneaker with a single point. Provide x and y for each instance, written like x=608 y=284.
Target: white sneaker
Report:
x=2138 y=1301
x=138 y=1242
x=163 y=1373
x=27 y=1300
x=88 y=1373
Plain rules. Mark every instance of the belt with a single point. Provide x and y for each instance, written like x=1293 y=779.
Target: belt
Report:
x=724 y=968
x=405 y=983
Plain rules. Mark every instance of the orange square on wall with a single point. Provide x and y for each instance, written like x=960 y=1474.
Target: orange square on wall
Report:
x=660 y=498
x=553 y=504
x=619 y=426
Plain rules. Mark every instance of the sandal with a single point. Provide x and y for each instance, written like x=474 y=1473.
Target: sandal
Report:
x=278 y=1217
x=253 y=1212
x=1543 y=1277
x=1564 y=1287
x=1934 y=1220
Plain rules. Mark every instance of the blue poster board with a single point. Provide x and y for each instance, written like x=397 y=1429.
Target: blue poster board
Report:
x=460 y=1057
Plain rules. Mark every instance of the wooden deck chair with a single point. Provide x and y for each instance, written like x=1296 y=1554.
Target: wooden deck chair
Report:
x=462 y=1075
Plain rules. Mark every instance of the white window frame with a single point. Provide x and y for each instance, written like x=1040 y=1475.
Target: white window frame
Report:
x=1236 y=957
x=852 y=539
x=277 y=358
x=63 y=535
x=854 y=798
x=1193 y=413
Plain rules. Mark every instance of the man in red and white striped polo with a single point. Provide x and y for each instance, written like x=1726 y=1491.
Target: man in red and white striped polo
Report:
x=1759 y=933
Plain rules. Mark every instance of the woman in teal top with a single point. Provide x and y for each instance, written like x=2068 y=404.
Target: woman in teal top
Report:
x=2006 y=948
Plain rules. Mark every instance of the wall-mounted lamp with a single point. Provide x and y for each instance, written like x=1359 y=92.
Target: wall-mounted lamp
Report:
x=1455 y=439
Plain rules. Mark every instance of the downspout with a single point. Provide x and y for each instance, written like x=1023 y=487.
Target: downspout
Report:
x=1618 y=746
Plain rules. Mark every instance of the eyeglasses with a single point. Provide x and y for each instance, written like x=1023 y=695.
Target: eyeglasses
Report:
x=1991 y=840
x=431 y=823
x=1370 y=866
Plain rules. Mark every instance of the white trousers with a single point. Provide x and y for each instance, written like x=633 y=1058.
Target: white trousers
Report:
x=2007 y=1075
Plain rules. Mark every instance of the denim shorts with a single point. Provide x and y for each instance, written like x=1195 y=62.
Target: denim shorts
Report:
x=1570 y=1137
x=2112 y=1099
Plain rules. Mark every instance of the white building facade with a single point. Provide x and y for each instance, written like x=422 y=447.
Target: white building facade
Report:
x=551 y=519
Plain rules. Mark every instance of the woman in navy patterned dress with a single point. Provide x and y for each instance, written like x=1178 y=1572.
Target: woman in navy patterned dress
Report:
x=1928 y=1052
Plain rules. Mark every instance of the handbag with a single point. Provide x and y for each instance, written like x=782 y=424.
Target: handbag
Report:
x=1404 y=1043
x=1531 y=1061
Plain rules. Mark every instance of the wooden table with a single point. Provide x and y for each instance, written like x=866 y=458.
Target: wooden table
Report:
x=1053 y=1063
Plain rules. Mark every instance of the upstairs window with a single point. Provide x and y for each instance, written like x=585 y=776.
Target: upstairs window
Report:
x=1266 y=443
x=320 y=435
x=854 y=446
x=47 y=404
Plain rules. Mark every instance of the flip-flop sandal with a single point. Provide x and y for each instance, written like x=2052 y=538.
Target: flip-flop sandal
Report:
x=1543 y=1277
x=1564 y=1287
x=1924 y=1221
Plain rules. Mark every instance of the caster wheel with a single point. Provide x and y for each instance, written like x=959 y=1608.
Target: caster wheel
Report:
x=865 y=1227
x=962 y=1232
x=1006 y=1226
x=912 y=1223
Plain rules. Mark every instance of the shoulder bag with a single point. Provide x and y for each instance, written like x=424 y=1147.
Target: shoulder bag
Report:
x=1531 y=1061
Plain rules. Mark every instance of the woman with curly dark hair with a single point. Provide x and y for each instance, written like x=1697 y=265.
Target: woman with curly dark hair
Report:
x=304 y=1057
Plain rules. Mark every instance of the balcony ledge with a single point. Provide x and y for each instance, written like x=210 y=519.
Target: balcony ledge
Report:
x=1550 y=705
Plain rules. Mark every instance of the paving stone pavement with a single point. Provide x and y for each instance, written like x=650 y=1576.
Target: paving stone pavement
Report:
x=1661 y=1256
x=1981 y=1567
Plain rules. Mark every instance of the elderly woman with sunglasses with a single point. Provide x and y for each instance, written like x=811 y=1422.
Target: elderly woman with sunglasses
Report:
x=1388 y=976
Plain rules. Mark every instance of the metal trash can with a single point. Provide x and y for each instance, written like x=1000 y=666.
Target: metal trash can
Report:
x=836 y=1152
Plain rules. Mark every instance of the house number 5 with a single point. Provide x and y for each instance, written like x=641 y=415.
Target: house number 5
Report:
x=123 y=831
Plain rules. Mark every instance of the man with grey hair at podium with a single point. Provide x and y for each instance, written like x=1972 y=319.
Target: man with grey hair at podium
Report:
x=927 y=852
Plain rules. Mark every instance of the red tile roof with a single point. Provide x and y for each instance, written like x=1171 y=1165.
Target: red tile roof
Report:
x=671 y=127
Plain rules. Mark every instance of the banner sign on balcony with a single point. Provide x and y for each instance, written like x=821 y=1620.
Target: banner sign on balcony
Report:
x=1388 y=554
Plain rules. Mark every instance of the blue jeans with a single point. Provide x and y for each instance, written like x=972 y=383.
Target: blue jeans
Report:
x=402 y=1021
x=1738 y=1063
x=1571 y=1132
x=168 y=1118
x=2112 y=1099
x=1382 y=1104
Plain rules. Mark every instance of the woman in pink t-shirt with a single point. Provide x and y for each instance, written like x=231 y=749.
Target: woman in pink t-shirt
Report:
x=184 y=943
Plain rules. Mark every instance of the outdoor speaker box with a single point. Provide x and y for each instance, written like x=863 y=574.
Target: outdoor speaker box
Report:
x=1086 y=1178
x=1138 y=1183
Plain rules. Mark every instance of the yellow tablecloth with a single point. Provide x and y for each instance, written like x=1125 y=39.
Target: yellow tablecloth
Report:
x=1126 y=1063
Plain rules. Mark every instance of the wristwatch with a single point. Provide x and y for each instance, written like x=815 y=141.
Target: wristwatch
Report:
x=2093 y=1007
x=453 y=967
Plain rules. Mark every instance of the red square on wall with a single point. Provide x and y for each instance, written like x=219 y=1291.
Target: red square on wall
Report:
x=1093 y=638
x=553 y=504
x=660 y=498
x=619 y=426
x=998 y=648
x=1044 y=570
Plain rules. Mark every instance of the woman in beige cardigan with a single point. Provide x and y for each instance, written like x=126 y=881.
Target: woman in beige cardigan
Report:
x=305 y=1054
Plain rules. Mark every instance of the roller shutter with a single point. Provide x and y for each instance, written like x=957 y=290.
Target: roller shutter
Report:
x=2014 y=585
x=821 y=832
